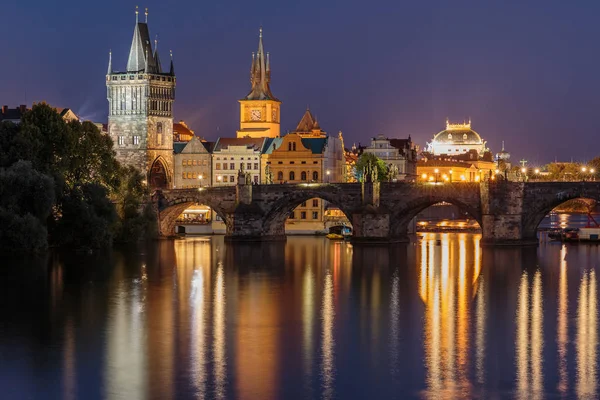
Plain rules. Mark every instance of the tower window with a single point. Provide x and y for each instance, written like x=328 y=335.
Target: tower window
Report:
x=315 y=202
x=280 y=176
x=303 y=176
x=136 y=140
x=121 y=140
x=292 y=176
x=159 y=127
x=315 y=176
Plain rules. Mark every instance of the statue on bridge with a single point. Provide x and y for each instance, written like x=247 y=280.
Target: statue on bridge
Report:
x=244 y=177
x=370 y=173
x=268 y=175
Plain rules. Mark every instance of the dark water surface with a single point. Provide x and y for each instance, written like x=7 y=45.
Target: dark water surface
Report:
x=311 y=318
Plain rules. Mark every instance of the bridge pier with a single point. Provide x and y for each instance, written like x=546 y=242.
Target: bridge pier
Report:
x=502 y=206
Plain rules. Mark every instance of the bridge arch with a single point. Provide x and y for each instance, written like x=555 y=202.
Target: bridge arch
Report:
x=169 y=209
x=274 y=219
x=537 y=207
x=403 y=214
x=159 y=175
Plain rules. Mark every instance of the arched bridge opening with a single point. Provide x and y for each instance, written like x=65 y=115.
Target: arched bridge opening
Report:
x=573 y=198
x=308 y=211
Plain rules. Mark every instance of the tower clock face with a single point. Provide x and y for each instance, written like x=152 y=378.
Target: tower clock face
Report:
x=255 y=115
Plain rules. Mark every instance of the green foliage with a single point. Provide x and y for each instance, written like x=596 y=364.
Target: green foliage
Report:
x=21 y=233
x=87 y=218
x=370 y=162
x=58 y=180
x=137 y=219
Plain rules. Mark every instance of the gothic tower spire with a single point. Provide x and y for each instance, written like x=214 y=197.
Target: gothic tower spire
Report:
x=109 y=63
x=260 y=75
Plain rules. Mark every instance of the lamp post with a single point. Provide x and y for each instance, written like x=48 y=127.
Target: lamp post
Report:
x=450 y=172
x=219 y=178
x=537 y=174
x=200 y=178
x=583 y=171
x=328 y=176
x=524 y=173
x=592 y=171
x=437 y=171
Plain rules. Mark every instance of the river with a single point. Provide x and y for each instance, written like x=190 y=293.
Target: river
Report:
x=310 y=318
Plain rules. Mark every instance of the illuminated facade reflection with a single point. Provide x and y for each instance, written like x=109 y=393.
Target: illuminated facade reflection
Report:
x=447 y=289
x=529 y=338
x=587 y=337
x=327 y=338
x=562 y=332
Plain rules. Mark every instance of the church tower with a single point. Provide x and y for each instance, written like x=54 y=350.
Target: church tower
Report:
x=260 y=110
x=140 y=109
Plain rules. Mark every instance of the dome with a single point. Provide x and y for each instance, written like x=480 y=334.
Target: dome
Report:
x=458 y=134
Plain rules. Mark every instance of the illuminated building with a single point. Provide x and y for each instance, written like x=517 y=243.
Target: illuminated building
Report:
x=182 y=132
x=456 y=139
x=140 y=109
x=260 y=109
x=228 y=156
x=192 y=163
x=399 y=155
x=307 y=155
x=456 y=154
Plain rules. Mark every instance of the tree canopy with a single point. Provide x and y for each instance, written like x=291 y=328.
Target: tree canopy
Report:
x=369 y=164
x=61 y=184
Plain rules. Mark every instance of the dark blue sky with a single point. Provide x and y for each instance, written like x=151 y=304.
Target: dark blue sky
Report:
x=525 y=72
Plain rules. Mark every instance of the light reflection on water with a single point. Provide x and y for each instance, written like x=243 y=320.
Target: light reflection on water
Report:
x=311 y=318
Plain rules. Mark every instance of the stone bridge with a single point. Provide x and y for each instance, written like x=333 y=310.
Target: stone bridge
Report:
x=508 y=212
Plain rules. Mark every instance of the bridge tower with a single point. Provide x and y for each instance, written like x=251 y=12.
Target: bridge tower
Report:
x=140 y=109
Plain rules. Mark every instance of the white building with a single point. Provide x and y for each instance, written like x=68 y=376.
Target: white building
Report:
x=398 y=153
x=230 y=153
x=456 y=139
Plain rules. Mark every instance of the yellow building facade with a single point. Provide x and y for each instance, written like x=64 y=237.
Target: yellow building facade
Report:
x=260 y=110
x=455 y=171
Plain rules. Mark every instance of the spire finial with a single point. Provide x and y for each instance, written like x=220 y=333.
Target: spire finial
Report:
x=147 y=66
x=137 y=11
x=156 y=43
x=171 y=54
x=260 y=32
x=268 y=62
x=109 y=62
x=503 y=145
x=146 y=12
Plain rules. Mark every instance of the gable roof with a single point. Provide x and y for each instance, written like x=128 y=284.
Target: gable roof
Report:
x=250 y=143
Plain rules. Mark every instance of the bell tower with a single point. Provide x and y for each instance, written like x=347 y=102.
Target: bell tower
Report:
x=140 y=109
x=260 y=110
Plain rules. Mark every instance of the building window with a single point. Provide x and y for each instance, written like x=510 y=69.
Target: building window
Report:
x=315 y=215
x=189 y=175
x=121 y=140
x=303 y=176
x=302 y=162
x=218 y=166
x=231 y=178
x=315 y=176
x=292 y=215
x=303 y=204
x=232 y=166
x=465 y=136
x=136 y=140
x=292 y=146
x=194 y=162
x=159 y=127
x=303 y=215
x=315 y=162
x=315 y=202
x=225 y=166
x=224 y=178
x=279 y=162
x=248 y=166
x=204 y=163
x=256 y=179
x=183 y=175
x=292 y=176
x=255 y=165
x=449 y=136
x=280 y=176
x=159 y=139
x=292 y=162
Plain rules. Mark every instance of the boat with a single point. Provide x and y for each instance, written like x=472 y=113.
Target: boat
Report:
x=334 y=236
x=589 y=233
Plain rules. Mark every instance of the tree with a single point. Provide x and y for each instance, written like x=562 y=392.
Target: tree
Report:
x=369 y=162
x=137 y=219
x=26 y=199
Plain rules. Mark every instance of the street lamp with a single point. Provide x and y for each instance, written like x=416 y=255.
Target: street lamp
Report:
x=450 y=172
x=437 y=171
x=327 y=176
x=219 y=179
x=424 y=176
x=200 y=177
x=537 y=173
x=524 y=172
x=592 y=171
